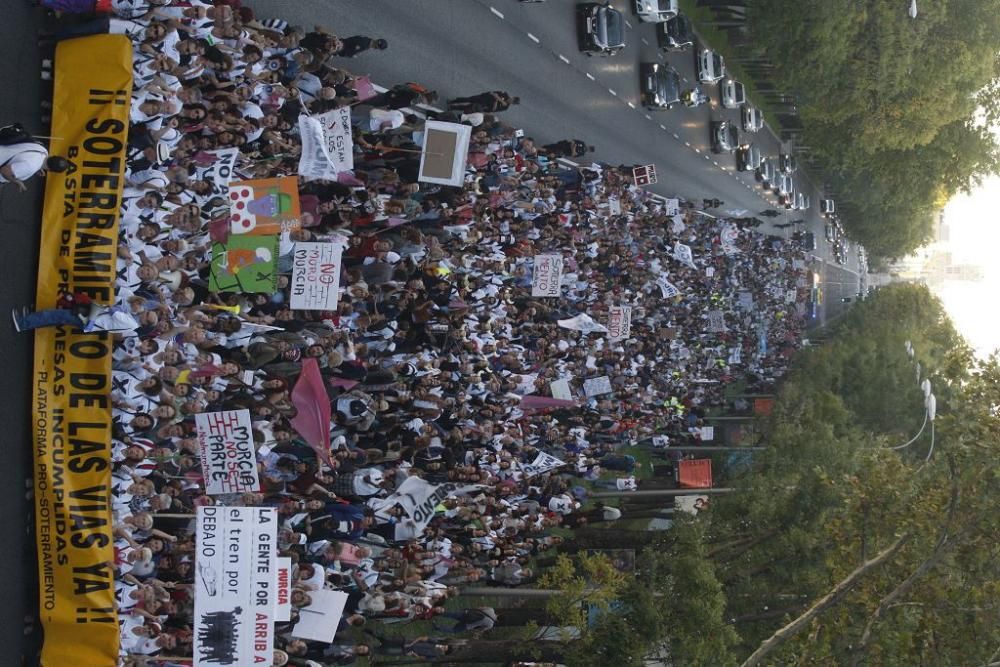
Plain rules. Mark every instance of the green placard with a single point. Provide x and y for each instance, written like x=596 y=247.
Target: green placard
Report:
x=245 y=263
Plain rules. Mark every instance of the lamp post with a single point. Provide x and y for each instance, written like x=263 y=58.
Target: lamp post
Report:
x=930 y=405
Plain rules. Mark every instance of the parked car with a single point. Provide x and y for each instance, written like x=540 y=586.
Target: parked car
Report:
x=675 y=34
x=787 y=164
x=711 y=66
x=802 y=202
x=830 y=232
x=827 y=207
x=788 y=199
x=656 y=11
x=753 y=118
x=601 y=28
x=748 y=157
x=725 y=137
x=660 y=85
x=765 y=173
x=732 y=93
x=782 y=185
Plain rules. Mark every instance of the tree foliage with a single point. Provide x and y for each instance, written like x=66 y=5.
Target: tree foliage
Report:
x=895 y=109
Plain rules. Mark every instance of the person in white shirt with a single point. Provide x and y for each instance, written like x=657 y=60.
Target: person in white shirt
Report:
x=21 y=161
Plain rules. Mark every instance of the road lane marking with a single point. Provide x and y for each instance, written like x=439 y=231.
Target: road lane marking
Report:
x=628 y=24
x=564 y=58
x=663 y=127
x=496 y=11
x=645 y=42
x=534 y=39
x=676 y=136
x=631 y=106
x=648 y=117
x=590 y=76
x=612 y=92
x=687 y=144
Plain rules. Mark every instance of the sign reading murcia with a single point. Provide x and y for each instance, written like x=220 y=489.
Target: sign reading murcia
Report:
x=226 y=448
x=316 y=276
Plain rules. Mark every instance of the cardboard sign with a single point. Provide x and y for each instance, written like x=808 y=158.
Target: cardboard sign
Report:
x=283 y=591
x=542 y=464
x=337 y=132
x=695 y=473
x=672 y=207
x=560 y=389
x=619 y=323
x=546 y=279
x=645 y=175
x=218 y=168
x=234 y=585
x=597 y=386
x=264 y=206
x=316 y=276
x=707 y=433
x=444 y=152
x=228 y=461
x=246 y=264
x=318 y=621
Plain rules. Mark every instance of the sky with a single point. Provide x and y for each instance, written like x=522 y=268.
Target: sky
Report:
x=975 y=239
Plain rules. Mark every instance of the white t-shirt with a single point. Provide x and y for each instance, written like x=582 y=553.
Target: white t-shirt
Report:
x=24 y=160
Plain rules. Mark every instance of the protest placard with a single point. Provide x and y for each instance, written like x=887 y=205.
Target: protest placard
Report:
x=671 y=207
x=619 y=323
x=560 y=389
x=644 y=175
x=234 y=585
x=319 y=621
x=683 y=254
x=337 y=132
x=667 y=289
x=729 y=237
x=217 y=167
x=316 y=276
x=597 y=386
x=707 y=433
x=546 y=278
x=225 y=445
x=543 y=463
x=245 y=264
x=264 y=206
x=444 y=151
x=417 y=499
x=716 y=321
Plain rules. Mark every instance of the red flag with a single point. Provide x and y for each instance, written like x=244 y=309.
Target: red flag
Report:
x=313 y=419
x=532 y=402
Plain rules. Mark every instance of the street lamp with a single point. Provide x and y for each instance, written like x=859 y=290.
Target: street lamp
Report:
x=912 y=11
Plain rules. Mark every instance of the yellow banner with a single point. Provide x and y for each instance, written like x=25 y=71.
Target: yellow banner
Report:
x=72 y=409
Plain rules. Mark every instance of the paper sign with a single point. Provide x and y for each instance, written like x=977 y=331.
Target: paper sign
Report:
x=336 y=126
x=217 y=167
x=716 y=321
x=542 y=464
x=683 y=254
x=234 y=586
x=619 y=323
x=316 y=276
x=318 y=621
x=707 y=433
x=597 y=386
x=645 y=175
x=444 y=152
x=225 y=442
x=560 y=389
x=546 y=279
x=672 y=207
x=283 y=591
x=667 y=289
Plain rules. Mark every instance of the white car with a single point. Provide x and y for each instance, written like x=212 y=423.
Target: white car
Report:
x=656 y=11
x=711 y=67
x=753 y=118
x=732 y=93
x=827 y=207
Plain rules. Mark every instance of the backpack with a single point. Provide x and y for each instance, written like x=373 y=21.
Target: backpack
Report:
x=16 y=134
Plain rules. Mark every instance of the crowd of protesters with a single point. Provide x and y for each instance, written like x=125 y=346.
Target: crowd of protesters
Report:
x=437 y=362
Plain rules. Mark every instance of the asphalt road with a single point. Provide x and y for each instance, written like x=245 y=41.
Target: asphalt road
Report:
x=461 y=47
x=19 y=227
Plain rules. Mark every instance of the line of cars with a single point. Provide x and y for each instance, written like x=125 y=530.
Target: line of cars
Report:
x=601 y=27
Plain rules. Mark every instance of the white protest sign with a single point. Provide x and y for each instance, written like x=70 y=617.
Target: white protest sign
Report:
x=667 y=289
x=729 y=237
x=790 y=295
x=707 y=433
x=225 y=442
x=546 y=278
x=318 y=621
x=339 y=140
x=314 y=160
x=672 y=207
x=234 y=585
x=716 y=321
x=690 y=504
x=560 y=389
x=283 y=592
x=316 y=276
x=583 y=323
x=542 y=464
x=619 y=323
x=219 y=172
x=683 y=254
x=677 y=224
x=597 y=386
x=417 y=499
x=709 y=271
x=614 y=206
x=444 y=150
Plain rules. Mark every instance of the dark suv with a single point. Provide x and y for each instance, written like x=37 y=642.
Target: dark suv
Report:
x=601 y=28
x=675 y=34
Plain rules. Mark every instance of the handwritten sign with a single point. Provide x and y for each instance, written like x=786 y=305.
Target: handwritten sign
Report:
x=546 y=279
x=542 y=464
x=316 y=276
x=227 y=455
x=619 y=323
x=597 y=386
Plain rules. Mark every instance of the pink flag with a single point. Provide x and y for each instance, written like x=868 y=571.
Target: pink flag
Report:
x=363 y=86
x=343 y=383
x=313 y=419
x=543 y=402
